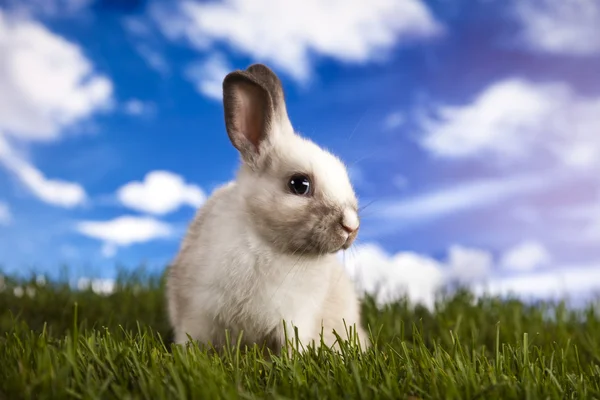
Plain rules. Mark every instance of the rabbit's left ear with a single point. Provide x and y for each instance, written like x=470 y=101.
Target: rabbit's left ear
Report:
x=253 y=102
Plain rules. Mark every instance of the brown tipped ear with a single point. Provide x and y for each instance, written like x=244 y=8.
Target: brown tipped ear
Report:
x=272 y=84
x=248 y=112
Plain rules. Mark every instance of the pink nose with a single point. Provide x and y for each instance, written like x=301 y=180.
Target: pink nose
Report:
x=349 y=221
x=348 y=229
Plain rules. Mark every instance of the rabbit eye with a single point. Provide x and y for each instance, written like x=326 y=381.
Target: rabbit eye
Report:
x=300 y=184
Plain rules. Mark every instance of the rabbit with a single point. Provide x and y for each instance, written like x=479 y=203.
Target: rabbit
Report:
x=259 y=257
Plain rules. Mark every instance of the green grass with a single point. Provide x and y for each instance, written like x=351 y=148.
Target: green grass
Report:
x=62 y=343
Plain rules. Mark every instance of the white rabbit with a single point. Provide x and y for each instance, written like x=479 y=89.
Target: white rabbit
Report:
x=262 y=249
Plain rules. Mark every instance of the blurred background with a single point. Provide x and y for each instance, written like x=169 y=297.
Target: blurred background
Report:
x=471 y=129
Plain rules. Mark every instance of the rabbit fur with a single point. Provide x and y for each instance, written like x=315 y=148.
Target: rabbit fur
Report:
x=256 y=254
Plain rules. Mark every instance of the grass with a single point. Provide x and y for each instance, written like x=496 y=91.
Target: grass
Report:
x=60 y=343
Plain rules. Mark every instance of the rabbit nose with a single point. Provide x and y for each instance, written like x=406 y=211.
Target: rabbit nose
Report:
x=349 y=221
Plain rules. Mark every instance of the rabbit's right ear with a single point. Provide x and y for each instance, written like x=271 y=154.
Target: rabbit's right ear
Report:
x=249 y=112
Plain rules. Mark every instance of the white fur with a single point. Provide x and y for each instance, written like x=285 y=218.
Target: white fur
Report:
x=227 y=276
x=230 y=279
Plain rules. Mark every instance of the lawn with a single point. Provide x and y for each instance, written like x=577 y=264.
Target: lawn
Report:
x=61 y=343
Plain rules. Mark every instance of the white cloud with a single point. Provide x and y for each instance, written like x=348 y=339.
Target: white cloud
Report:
x=466 y=196
x=208 y=76
x=592 y=232
x=134 y=107
x=567 y=281
x=526 y=256
x=519 y=121
x=161 y=192
x=467 y=265
x=350 y=31
x=5 y=215
x=143 y=34
x=52 y=191
x=124 y=231
x=4 y=147
x=137 y=107
x=518 y=126
x=153 y=58
x=393 y=120
x=568 y=27
x=585 y=217
x=417 y=276
x=390 y=277
x=420 y=277
x=46 y=83
x=46 y=86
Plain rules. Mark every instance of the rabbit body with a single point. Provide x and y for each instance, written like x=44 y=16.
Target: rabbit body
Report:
x=262 y=249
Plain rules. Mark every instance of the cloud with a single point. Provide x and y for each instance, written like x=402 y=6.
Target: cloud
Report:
x=419 y=277
x=52 y=191
x=526 y=256
x=586 y=217
x=592 y=232
x=517 y=126
x=5 y=215
x=393 y=120
x=160 y=193
x=47 y=85
x=459 y=197
x=208 y=76
x=134 y=107
x=390 y=277
x=566 y=281
x=518 y=121
x=143 y=34
x=466 y=265
x=137 y=107
x=560 y=27
x=153 y=58
x=354 y=32
x=46 y=82
x=124 y=231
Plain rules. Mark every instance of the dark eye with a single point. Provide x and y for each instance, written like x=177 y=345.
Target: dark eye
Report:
x=300 y=184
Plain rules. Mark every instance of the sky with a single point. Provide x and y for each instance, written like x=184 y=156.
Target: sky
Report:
x=470 y=130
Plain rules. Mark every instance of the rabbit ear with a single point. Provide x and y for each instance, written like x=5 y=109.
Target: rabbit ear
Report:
x=253 y=101
x=273 y=85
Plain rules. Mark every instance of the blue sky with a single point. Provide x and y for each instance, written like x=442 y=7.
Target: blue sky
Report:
x=469 y=127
